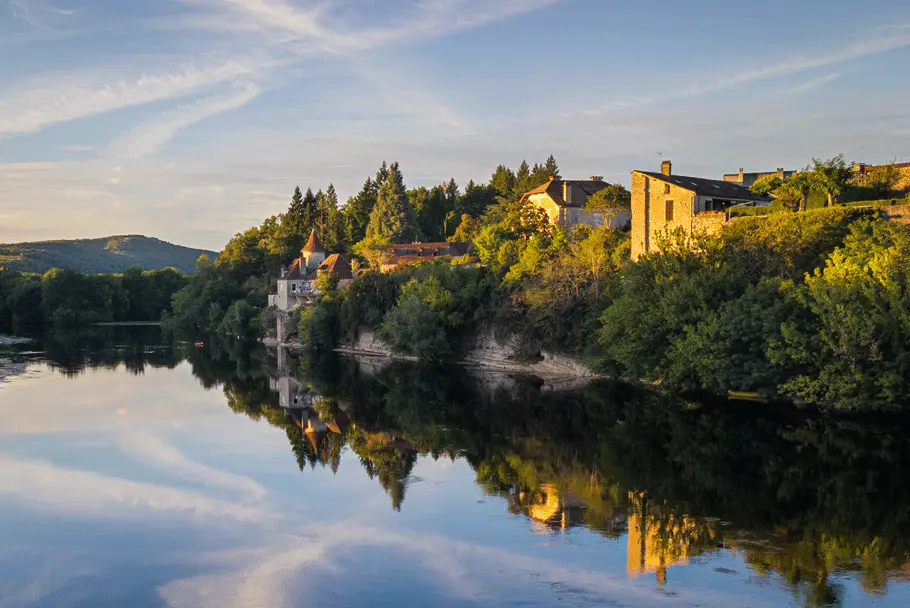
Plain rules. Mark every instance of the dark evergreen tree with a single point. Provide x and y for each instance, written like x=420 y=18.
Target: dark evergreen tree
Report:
x=357 y=211
x=391 y=216
x=503 y=180
x=523 y=177
x=551 y=167
x=432 y=211
x=329 y=223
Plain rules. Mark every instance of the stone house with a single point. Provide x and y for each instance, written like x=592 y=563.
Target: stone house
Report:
x=564 y=201
x=297 y=284
x=663 y=202
x=862 y=172
x=748 y=179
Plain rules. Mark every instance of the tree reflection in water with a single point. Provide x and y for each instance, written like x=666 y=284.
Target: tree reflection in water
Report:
x=799 y=495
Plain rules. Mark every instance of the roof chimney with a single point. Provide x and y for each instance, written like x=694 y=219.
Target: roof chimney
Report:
x=742 y=176
x=666 y=167
x=596 y=178
x=566 y=192
x=780 y=173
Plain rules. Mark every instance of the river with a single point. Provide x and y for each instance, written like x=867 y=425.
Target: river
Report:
x=136 y=471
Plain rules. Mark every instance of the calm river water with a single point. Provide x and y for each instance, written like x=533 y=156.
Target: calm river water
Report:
x=137 y=472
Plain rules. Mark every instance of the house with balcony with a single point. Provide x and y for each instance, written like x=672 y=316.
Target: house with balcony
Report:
x=663 y=203
x=297 y=286
x=297 y=283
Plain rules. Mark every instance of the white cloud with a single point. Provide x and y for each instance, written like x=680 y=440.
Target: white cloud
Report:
x=319 y=30
x=44 y=486
x=63 y=98
x=149 y=138
x=812 y=84
x=158 y=454
x=37 y=13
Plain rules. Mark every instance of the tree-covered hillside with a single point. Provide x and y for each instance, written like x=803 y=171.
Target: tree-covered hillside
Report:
x=112 y=254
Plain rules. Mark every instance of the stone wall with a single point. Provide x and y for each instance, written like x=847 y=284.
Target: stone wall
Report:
x=899 y=214
x=863 y=173
x=709 y=222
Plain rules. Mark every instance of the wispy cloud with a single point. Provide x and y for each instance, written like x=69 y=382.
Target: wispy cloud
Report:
x=157 y=453
x=149 y=138
x=38 y=13
x=320 y=28
x=859 y=50
x=87 y=493
x=812 y=84
x=63 y=98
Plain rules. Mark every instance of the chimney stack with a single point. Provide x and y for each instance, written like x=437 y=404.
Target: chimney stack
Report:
x=566 y=192
x=742 y=176
x=666 y=167
x=780 y=173
x=596 y=178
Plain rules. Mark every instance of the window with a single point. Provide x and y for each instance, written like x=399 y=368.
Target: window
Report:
x=666 y=188
x=669 y=211
x=293 y=287
x=598 y=220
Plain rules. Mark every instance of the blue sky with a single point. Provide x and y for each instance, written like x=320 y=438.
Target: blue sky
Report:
x=191 y=120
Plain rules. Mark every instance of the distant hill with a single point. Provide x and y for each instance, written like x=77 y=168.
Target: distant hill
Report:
x=111 y=254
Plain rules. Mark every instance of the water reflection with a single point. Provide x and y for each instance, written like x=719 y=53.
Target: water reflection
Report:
x=801 y=498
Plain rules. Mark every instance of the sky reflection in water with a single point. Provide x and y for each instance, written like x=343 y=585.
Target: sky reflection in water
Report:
x=146 y=489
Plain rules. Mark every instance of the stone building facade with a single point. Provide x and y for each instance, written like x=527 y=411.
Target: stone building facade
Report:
x=663 y=202
x=862 y=174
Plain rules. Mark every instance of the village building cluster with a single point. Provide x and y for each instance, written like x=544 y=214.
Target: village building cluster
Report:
x=661 y=203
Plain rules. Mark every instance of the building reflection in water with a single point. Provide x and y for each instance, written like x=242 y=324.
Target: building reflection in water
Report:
x=660 y=539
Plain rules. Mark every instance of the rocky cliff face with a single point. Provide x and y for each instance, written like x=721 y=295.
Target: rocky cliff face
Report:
x=488 y=352
x=505 y=355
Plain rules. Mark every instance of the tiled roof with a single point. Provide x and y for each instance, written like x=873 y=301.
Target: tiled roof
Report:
x=709 y=187
x=585 y=187
x=298 y=272
x=338 y=265
x=294 y=271
x=430 y=250
x=314 y=245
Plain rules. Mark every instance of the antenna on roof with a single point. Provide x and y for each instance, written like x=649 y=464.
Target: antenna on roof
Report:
x=661 y=155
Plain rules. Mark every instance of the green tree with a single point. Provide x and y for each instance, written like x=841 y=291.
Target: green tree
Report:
x=551 y=167
x=829 y=176
x=523 y=177
x=795 y=191
x=357 y=211
x=503 y=180
x=391 y=217
x=609 y=201
x=375 y=250
x=329 y=222
x=767 y=184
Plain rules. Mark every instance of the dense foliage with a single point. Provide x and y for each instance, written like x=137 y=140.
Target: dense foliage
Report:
x=809 y=306
x=67 y=298
x=229 y=295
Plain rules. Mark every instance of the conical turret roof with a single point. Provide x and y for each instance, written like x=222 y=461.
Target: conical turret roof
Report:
x=314 y=245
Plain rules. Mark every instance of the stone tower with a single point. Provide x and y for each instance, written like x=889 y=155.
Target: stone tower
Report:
x=313 y=252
